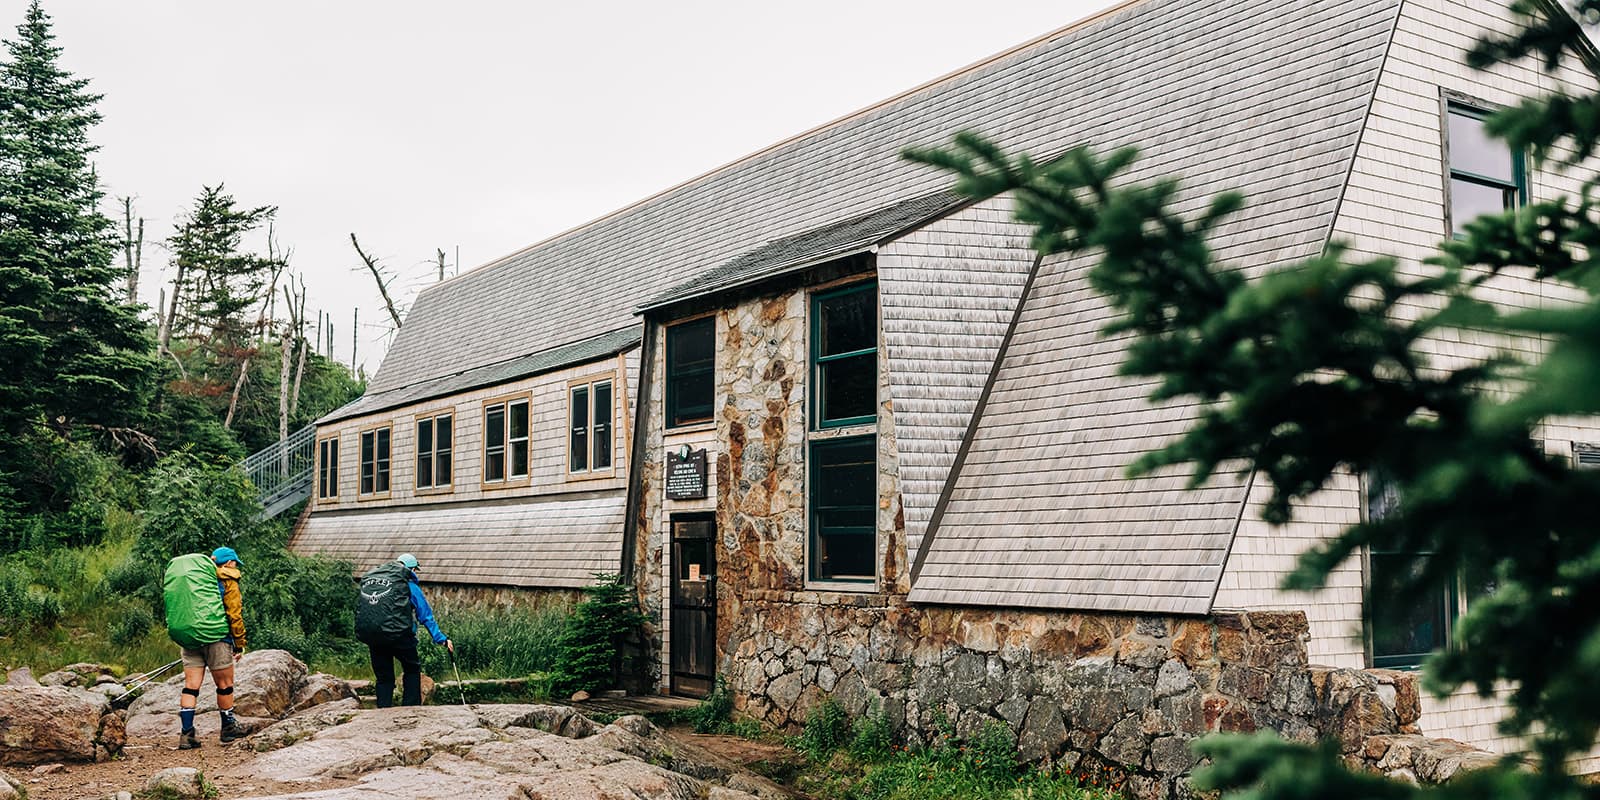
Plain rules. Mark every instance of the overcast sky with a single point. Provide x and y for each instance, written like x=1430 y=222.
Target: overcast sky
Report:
x=473 y=124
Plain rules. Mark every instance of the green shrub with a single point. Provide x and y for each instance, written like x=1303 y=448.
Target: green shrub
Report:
x=992 y=753
x=132 y=625
x=827 y=729
x=22 y=605
x=714 y=714
x=499 y=642
x=872 y=737
x=194 y=506
x=596 y=641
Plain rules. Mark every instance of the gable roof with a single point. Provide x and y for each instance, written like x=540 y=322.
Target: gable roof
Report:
x=811 y=248
x=591 y=279
x=1039 y=511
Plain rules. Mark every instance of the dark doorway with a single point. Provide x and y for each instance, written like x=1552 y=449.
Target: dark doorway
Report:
x=694 y=604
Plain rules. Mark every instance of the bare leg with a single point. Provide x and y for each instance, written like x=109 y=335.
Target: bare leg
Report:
x=223 y=678
x=192 y=678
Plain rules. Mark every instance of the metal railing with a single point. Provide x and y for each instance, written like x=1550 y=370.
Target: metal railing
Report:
x=282 y=473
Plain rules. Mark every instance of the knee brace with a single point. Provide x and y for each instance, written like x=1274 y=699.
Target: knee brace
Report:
x=191 y=692
x=221 y=692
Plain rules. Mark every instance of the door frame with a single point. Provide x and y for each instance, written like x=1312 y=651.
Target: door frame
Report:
x=710 y=517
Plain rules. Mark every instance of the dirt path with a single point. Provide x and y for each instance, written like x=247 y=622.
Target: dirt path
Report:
x=145 y=757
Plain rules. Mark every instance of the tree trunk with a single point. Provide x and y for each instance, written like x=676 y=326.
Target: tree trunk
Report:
x=377 y=275
x=164 y=336
x=132 y=251
x=238 y=386
x=300 y=337
x=285 y=344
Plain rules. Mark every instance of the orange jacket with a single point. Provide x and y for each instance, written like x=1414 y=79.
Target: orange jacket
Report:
x=233 y=603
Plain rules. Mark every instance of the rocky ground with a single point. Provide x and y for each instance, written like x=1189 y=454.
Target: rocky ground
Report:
x=516 y=752
x=311 y=740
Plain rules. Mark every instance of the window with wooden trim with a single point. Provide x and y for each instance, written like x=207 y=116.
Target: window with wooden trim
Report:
x=435 y=439
x=844 y=355
x=505 y=441
x=327 y=469
x=843 y=509
x=691 y=371
x=590 y=414
x=1486 y=175
x=375 y=461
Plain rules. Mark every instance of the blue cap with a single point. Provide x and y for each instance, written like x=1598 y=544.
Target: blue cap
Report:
x=223 y=555
x=407 y=560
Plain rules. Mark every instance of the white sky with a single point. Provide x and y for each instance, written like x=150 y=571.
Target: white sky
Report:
x=483 y=125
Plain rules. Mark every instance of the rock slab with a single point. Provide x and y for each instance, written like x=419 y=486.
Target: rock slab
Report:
x=44 y=724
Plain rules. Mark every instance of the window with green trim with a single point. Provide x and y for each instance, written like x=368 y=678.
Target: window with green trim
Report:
x=691 y=371
x=1486 y=175
x=844 y=356
x=1404 y=634
x=844 y=507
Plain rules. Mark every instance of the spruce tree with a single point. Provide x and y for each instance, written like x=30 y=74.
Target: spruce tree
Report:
x=1320 y=369
x=72 y=353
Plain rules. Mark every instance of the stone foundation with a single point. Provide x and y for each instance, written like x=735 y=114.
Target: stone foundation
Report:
x=1078 y=691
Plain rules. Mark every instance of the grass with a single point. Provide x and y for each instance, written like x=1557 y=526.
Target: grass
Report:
x=860 y=759
x=95 y=623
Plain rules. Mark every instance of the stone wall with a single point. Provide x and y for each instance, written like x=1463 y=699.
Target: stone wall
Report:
x=1078 y=691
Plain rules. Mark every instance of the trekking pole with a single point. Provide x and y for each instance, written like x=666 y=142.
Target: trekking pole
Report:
x=459 y=685
x=144 y=678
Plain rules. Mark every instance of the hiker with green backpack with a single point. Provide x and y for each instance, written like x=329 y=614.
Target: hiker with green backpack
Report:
x=390 y=605
x=205 y=616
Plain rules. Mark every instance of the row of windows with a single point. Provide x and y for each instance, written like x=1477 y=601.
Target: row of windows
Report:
x=507 y=445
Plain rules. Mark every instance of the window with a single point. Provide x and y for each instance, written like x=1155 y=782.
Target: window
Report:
x=327 y=469
x=589 y=443
x=434 y=439
x=1404 y=635
x=505 y=441
x=1486 y=177
x=691 y=359
x=844 y=494
x=844 y=355
x=375 y=461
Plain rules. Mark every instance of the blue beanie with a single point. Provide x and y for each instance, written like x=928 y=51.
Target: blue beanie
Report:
x=223 y=555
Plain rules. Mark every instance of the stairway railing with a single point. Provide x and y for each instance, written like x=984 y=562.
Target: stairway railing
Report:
x=282 y=472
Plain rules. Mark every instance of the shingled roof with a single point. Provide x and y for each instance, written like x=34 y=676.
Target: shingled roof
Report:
x=810 y=248
x=1268 y=98
x=590 y=280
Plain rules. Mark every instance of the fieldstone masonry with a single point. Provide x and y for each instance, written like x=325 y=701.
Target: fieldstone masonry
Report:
x=1085 y=692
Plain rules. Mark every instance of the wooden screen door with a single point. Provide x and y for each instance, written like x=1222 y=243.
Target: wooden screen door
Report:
x=694 y=604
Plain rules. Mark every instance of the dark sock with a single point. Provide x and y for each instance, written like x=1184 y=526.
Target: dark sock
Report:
x=227 y=715
x=187 y=716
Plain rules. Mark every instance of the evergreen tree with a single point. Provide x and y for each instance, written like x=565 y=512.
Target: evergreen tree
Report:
x=72 y=354
x=1316 y=370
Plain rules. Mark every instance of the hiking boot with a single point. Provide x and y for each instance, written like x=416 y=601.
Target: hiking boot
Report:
x=187 y=740
x=232 y=730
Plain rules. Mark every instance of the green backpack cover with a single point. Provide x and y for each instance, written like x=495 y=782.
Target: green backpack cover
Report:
x=195 y=616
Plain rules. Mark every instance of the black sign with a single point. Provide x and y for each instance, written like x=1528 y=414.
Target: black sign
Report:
x=686 y=474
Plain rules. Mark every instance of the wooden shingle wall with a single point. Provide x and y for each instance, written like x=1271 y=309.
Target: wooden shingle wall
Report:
x=1041 y=513
x=948 y=292
x=1395 y=205
x=556 y=542
x=571 y=522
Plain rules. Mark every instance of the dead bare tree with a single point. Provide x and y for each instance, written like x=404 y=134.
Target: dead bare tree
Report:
x=279 y=261
x=286 y=344
x=440 y=254
x=381 y=277
x=132 y=251
x=300 y=338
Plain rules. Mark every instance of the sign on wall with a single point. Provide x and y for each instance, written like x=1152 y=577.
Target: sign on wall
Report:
x=686 y=474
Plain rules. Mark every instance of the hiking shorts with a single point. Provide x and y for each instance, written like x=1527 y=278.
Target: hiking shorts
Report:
x=217 y=655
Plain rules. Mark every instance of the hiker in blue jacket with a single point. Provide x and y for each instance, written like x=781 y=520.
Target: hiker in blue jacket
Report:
x=384 y=655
